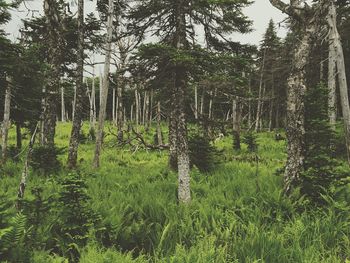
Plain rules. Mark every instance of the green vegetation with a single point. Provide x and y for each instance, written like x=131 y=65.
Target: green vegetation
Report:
x=127 y=210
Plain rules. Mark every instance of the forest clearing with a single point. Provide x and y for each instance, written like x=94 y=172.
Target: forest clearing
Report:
x=151 y=131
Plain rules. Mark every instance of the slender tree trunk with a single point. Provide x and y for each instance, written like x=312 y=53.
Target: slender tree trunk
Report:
x=259 y=108
x=18 y=135
x=114 y=119
x=102 y=114
x=172 y=133
x=159 y=127
x=336 y=46
x=79 y=92
x=6 y=120
x=146 y=111
x=272 y=101
x=236 y=124
x=137 y=108
x=250 y=102
x=55 y=44
x=196 y=102
x=63 y=106
x=120 y=117
x=332 y=98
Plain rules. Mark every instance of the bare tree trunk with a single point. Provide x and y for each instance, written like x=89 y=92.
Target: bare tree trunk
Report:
x=63 y=106
x=137 y=109
x=151 y=110
x=114 y=119
x=272 y=105
x=146 y=110
x=196 y=102
x=79 y=92
x=159 y=127
x=6 y=120
x=18 y=135
x=258 y=111
x=236 y=124
x=102 y=114
x=120 y=114
x=249 y=102
x=172 y=133
x=336 y=47
x=25 y=172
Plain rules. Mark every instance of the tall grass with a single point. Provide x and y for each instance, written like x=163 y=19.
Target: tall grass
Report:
x=238 y=212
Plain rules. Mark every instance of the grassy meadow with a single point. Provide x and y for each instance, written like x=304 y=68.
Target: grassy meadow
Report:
x=238 y=212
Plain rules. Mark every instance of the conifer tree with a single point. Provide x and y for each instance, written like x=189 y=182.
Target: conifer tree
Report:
x=174 y=23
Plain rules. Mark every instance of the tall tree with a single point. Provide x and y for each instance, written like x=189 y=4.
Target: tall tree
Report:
x=305 y=19
x=78 y=106
x=105 y=84
x=173 y=22
x=54 y=26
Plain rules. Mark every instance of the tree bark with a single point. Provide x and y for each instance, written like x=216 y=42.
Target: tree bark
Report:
x=183 y=160
x=159 y=127
x=105 y=86
x=79 y=92
x=236 y=124
x=18 y=135
x=332 y=98
x=55 y=44
x=63 y=106
x=6 y=120
x=259 y=108
x=336 y=46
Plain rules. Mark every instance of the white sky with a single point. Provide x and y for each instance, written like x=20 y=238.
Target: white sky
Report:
x=260 y=12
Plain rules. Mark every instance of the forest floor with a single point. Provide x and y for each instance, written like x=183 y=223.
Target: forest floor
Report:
x=238 y=212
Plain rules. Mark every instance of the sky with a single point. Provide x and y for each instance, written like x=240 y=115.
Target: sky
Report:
x=260 y=12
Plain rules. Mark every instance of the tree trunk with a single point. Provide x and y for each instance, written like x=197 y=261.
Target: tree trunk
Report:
x=63 y=106
x=272 y=101
x=259 y=108
x=79 y=92
x=236 y=124
x=183 y=160
x=55 y=43
x=336 y=47
x=18 y=136
x=296 y=111
x=137 y=109
x=120 y=117
x=6 y=120
x=196 y=102
x=159 y=127
x=172 y=133
x=114 y=119
x=102 y=113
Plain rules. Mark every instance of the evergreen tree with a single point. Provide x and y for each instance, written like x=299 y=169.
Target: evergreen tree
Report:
x=174 y=23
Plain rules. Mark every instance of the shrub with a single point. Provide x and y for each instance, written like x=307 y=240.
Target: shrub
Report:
x=250 y=140
x=202 y=154
x=44 y=159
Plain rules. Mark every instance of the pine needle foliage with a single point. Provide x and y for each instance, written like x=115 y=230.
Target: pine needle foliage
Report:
x=322 y=174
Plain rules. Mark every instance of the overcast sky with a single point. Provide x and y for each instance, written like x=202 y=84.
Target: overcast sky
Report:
x=260 y=12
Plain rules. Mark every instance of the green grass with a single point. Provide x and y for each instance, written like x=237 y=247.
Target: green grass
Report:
x=238 y=212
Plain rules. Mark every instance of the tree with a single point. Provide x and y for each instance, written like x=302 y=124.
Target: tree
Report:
x=54 y=22
x=305 y=21
x=174 y=24
x=105 y=84
x=336 y=55
x=78 y=106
